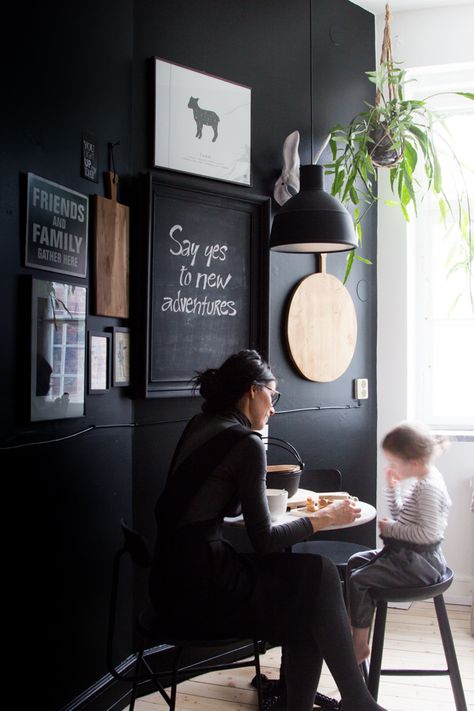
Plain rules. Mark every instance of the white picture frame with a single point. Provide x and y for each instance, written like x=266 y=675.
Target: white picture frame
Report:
x=202 y=124
x=58 y=350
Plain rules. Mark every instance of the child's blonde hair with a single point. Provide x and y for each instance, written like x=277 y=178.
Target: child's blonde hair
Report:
x=413 y=440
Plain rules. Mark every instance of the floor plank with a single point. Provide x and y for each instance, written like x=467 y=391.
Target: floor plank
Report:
x=411 y=639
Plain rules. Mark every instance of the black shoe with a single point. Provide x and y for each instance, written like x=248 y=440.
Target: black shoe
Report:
x=326 y=702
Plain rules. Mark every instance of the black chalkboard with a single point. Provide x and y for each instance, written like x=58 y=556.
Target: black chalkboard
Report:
x=208 y=279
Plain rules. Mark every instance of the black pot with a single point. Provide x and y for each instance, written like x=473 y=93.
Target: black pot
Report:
x=284 y=476
x=382 y=151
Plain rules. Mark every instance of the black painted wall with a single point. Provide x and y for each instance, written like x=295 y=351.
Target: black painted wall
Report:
x=83 y=67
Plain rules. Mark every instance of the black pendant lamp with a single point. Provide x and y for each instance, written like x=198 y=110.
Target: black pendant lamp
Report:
x=312 y=220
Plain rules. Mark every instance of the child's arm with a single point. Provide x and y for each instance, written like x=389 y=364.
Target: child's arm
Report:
x=394 y=497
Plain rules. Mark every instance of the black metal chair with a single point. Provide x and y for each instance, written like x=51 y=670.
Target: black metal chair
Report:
x=385 y=595
x=150 y=634
x=338 y=552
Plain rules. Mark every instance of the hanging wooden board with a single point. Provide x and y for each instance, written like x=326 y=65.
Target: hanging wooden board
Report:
x=111 y=254
x=321 y=328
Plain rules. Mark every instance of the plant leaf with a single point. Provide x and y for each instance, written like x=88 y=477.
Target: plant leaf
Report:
x=349 y=263
x=410 y=155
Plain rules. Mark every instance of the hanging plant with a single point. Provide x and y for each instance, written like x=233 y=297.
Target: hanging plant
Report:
x=398 y=134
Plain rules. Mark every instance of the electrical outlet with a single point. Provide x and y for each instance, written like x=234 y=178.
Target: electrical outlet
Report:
x=361 y=388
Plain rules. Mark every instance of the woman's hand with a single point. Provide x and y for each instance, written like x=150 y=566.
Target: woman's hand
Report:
x=336 y=514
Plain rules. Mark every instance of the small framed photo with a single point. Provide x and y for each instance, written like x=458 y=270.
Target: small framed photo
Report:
x=99 y=362
x=120 y=356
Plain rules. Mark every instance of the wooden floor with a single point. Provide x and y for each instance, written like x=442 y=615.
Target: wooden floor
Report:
x=411 y=639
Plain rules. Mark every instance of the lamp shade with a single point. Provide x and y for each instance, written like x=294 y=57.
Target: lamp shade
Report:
x=312 y=220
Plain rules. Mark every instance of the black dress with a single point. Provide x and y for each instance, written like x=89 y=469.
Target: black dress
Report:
x=199 y=582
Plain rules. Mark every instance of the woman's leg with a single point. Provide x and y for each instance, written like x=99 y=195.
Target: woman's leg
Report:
x=332 y=632
x=302 y=664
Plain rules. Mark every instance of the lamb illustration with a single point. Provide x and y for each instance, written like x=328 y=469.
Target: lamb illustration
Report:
x=203 y=117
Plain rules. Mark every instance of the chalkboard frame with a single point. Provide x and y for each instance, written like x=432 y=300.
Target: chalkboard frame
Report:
x=188 y=190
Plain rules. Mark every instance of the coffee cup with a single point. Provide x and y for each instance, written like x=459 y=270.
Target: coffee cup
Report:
x=277 y=500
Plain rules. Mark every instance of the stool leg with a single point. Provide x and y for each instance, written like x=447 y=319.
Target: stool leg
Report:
x=364 y=670
x=377 y=648
x=450 y=653
x=256 y=654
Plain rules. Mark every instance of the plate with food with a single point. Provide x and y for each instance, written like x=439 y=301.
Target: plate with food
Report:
x=319 y=501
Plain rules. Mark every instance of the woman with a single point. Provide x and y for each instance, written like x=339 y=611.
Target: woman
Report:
x=207 y=589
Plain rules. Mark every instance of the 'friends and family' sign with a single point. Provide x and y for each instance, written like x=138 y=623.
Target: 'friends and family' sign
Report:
x=56 y=227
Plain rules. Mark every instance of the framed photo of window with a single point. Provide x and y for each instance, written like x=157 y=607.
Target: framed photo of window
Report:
x=202 y=123
x=120 y=356
x=99 y=362
x=58 y=349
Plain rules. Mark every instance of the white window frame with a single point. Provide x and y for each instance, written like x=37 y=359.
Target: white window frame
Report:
x=423 y=322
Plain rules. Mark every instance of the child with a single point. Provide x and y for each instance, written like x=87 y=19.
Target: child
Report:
x=412 y=553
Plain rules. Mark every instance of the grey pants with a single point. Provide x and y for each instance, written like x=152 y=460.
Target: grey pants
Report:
x=390 y=569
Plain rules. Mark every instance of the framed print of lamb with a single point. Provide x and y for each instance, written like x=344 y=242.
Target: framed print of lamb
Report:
x=202 y=124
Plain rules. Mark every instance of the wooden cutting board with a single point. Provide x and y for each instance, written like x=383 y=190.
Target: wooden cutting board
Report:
x=321 y=327
x=111 y=260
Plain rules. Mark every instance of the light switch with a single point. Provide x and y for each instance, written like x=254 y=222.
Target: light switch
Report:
x=361 y=388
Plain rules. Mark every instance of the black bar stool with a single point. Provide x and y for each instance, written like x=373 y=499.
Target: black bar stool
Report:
x=382 y=596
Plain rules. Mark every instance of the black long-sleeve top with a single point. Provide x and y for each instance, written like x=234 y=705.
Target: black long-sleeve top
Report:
x=237 y=485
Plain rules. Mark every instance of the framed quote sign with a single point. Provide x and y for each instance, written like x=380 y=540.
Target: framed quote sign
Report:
x=202 y=123
x=207 y=289
x=56 y=227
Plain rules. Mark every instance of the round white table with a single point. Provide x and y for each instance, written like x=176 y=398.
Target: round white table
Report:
x=368 y=512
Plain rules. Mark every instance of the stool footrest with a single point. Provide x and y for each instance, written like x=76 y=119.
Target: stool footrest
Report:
x=414 y=672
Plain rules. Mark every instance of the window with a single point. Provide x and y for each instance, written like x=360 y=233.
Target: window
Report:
x=443 y=288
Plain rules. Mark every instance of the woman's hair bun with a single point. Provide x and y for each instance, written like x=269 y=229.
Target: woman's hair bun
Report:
x=207 y=380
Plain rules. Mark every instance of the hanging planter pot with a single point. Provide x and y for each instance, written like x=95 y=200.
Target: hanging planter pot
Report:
x=385 y=152
x=399 y=134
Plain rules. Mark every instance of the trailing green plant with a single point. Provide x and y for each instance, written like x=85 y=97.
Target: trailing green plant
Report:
x=398 y=134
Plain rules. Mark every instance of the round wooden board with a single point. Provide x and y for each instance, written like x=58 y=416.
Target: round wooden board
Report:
x=321 y=328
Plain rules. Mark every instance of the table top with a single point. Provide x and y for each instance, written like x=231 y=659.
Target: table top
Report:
x=368 y=513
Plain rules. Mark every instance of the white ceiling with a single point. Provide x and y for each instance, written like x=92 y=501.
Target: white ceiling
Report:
x=378 y=6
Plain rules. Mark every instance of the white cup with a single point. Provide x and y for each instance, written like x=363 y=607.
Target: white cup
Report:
x=277 y=500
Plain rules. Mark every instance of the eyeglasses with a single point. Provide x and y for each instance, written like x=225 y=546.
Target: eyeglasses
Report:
x=275 y=393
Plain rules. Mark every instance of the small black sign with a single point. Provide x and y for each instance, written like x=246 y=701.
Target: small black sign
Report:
x=56 y=227
x=89 y=158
